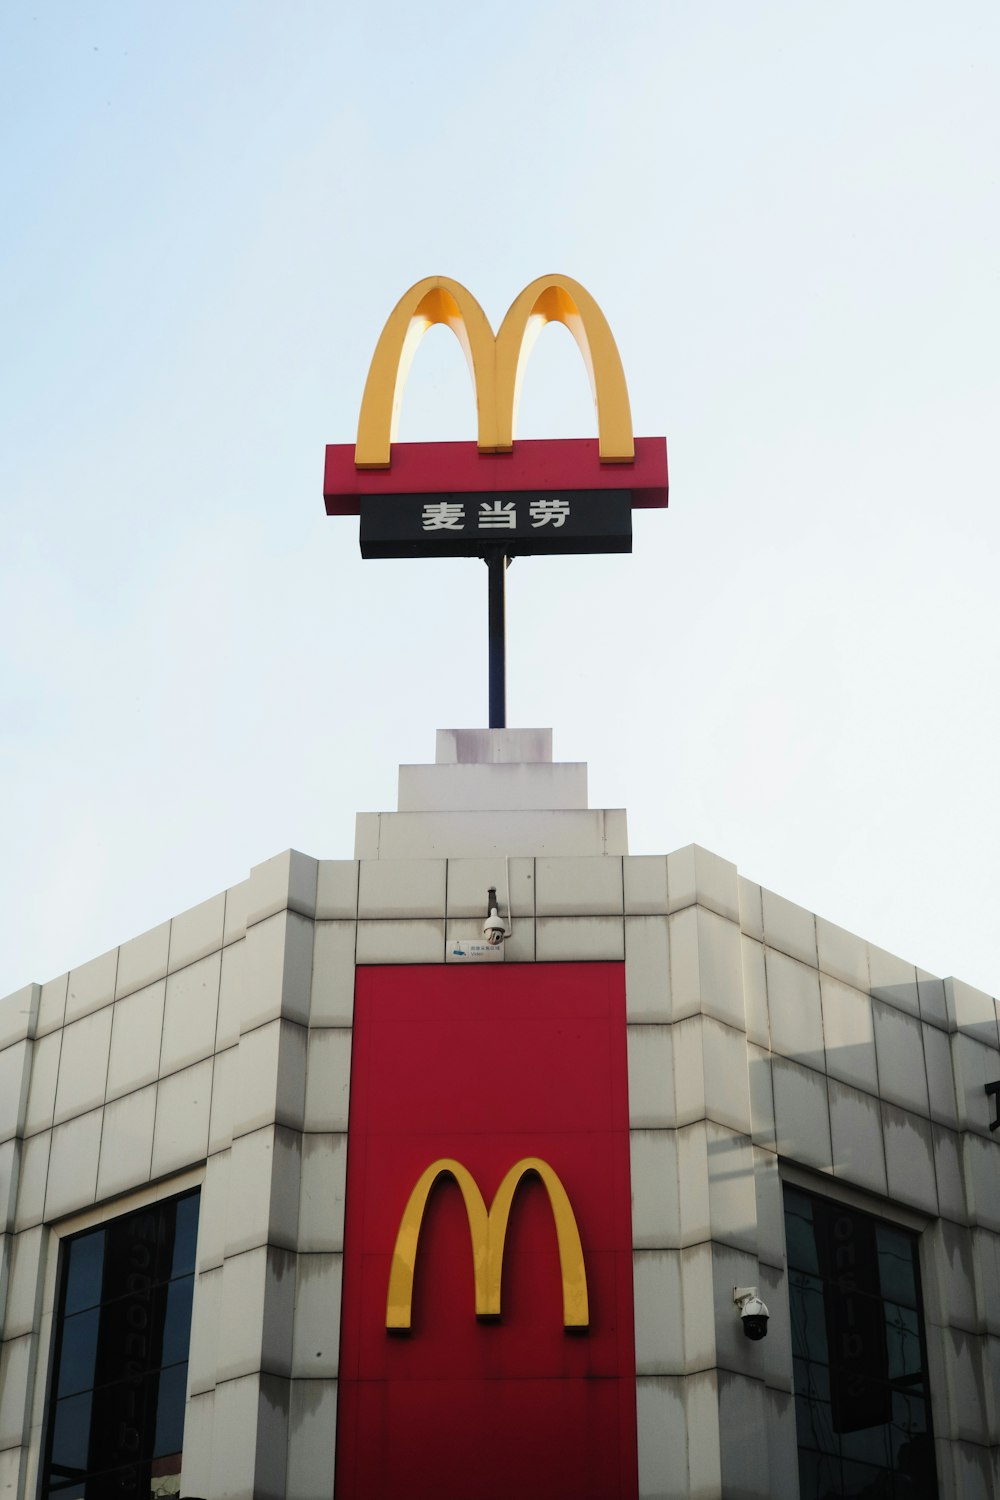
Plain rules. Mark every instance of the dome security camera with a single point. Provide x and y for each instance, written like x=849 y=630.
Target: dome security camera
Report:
x=753 y=1312
x=494 y=929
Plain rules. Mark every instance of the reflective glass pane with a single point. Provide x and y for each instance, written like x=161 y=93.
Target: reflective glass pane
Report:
x=812 y=1379
x=78 y=1352
x=902 y=1340
x=814 y=1425
x=177 y=1320
x=909 y=1413
x=130 y=1335
x=897 y=1279
x=908 y=1433
x=819 y=1476
x=84 y=1269
x=136 y=1251
x=868 y=1445
x=131 y=1483
x=799 y=1235
x=185 y=1236
x=120 y=1425
x=916 y=1468
x=71 y=1435
x=859 y=1404
x=808 y=1316
x=124 y=1434
x=846 y=1244
x=857 y=1333
x=170 y=1411
x=864 y=1479
x=862 y=1417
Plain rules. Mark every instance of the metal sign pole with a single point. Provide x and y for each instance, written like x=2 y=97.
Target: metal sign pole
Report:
x=497 y=562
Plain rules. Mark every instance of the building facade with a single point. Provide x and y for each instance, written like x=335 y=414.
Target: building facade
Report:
x=212 y=1141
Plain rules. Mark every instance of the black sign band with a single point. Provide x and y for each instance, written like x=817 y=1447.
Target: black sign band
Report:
x=520 y=524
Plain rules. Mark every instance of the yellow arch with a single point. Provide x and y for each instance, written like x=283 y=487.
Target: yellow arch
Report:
x=436 y=299
x=576 y=1310
x=488 y=1231
x=399 y=1301
x=497 y=365
x=559 y=299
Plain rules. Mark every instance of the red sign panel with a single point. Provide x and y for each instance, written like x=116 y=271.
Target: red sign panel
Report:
x=558 y=464
x=487 y=1067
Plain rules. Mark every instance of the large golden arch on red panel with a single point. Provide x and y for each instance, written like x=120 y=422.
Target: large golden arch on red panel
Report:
x=436 y=299
x=488 y=1231
x=559 y=299
x=497 y=365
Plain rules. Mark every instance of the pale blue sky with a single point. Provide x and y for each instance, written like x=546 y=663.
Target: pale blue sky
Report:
x=790 y=214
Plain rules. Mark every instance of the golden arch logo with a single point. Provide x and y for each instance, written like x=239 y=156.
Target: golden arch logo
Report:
x=496 y=364
x=488 y=1228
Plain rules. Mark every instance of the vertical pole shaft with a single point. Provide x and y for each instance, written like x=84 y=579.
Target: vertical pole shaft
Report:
x=497 y=564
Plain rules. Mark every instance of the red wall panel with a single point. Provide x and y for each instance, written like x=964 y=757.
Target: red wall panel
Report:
x=488 y=1065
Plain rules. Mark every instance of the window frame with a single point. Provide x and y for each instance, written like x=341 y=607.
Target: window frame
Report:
x=895 y=1216
x=43 y=1394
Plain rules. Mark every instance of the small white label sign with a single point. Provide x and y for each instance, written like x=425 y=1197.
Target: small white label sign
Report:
x=463 y=950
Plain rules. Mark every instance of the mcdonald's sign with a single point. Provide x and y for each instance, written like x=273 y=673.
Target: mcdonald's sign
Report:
x=617 y=463
x=496 y=364
x=487 y=1322
x=488 y=1228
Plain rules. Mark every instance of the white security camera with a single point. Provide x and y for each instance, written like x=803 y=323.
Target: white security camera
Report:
x=494 y=929
x=752 y=1311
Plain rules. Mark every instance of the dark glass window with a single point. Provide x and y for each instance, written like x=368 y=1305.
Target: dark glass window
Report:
x=116 y=1420
x=862 y=1407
